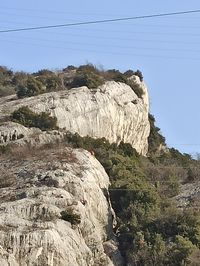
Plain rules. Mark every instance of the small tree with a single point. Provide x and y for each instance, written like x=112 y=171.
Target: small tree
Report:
x=139 y=74
x=31 y=88
x=180 y=251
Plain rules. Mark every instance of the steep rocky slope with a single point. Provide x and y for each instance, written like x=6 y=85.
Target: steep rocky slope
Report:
x=38 y=193
x=112 y=111
x=189 y=195
x=54 y=204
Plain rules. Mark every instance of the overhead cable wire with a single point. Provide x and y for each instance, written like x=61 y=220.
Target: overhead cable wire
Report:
x=174 y=33
x=101 y=21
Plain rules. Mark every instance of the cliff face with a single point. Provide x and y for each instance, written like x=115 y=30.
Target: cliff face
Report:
x=55 y=210
x=112 y=111
x=54 y=204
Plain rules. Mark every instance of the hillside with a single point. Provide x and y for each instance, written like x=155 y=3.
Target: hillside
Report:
x=111 y=110
x=54 y=210
x=86 y=176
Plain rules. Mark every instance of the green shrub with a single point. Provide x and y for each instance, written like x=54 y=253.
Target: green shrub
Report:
x=69 y=68
x=130 y=73
x=6 y=90
x=53 y=83
x=43 y=72
x=71 y=217
x=32 y=87
x=155 y=139
x=6 y=82
x=151 y=230
x=115 y=75
x=127 y=149
x=49 y=79
x=88 y=68
x=26 y=85
x=29 y=118
x=135 y=87
x=85 y=77
x=20 y=78
x=5 y=76
x=139 y=74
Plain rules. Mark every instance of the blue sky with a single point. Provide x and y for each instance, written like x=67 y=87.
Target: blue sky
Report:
x=165 y=49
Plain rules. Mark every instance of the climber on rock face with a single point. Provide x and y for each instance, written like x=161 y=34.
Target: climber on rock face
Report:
x=5 y=138
x=14 y=136
x=92 y=152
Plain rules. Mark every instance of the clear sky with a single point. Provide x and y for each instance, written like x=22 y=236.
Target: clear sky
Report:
x=166 y=50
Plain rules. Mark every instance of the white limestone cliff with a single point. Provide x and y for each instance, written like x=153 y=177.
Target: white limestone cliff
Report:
x=36 y=189
x=112 y=111
x=32 y=230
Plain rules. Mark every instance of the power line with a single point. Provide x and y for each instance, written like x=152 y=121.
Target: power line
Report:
x=138 y=31
x=101 y=21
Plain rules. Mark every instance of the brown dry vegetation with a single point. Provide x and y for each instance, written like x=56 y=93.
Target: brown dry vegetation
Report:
x=14 y=161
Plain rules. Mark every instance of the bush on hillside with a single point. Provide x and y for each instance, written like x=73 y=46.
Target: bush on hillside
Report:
x=116 y=75
x=139 y=74
x=43 y=72
x=20 y=78
x=6 y=90
x=155 y=139
x=69 y=68
x=151 y=230
x=86 y=76
x=5 y=76
x=50 y=82
x=32 y=87
x=28 y=118
x=135 y=87
x=130 y=73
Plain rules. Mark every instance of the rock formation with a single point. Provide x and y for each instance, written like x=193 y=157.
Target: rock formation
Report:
x=112 y=111
x=40 y=200
x=54 y=203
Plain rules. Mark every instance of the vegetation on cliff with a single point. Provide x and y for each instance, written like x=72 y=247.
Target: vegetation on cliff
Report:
x=28 y=118
x=151 y=229
x=26 y=84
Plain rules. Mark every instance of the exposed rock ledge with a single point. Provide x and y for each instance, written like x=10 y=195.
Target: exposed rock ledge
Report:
x=31 y=229
x=112 y=111
x=189 y=195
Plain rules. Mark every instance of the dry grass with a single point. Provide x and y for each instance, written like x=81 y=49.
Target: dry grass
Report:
x=19 y=164
x=7 y=179
x=48 y=153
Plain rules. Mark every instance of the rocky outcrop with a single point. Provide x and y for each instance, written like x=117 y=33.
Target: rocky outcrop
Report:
x=55 y=210
x=112 y=111
x=11 y=132
x=189 y=195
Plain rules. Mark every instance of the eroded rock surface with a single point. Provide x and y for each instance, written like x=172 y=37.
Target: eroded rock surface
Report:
x=35 y=191
x=112 y=111
x=189 y=195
